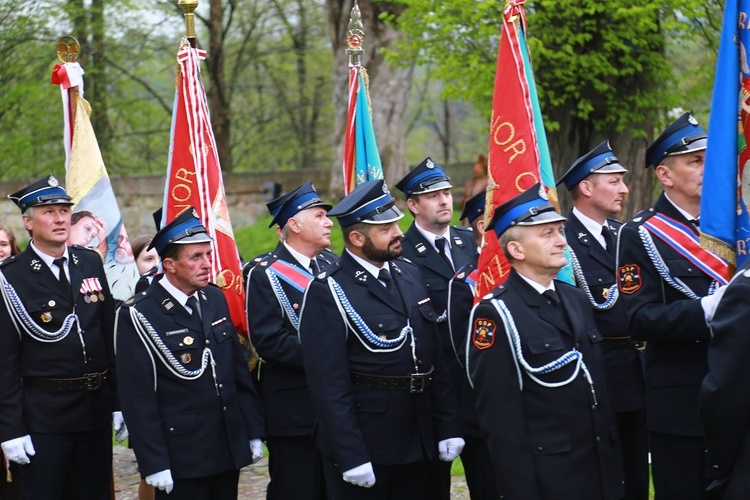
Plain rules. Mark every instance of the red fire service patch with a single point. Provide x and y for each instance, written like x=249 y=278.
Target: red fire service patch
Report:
x=483 y=333
x=629 y=278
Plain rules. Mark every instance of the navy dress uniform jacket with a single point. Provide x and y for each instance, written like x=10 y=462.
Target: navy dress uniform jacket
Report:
x=435 y=271
x=624 y=368
x=283 y=387
x=724 y=405
x=198 y=427
x=357 y=424
x=48 y=303
x=673 y=325
x=545 y=442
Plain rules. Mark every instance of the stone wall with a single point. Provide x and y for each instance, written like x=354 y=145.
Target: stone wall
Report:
x=140 y=195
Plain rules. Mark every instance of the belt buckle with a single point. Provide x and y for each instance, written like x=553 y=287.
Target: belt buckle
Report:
x=417 y=383
x=93 y=381
x=639 y=345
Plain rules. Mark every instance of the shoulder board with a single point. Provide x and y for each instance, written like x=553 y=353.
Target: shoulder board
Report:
x=80 y=247
x=267 y=259
x=135 y=298
x=328 y=271
x=643 y=215
x=496 y=292
x=614 y=222
x=465 y=229
x=8 y=261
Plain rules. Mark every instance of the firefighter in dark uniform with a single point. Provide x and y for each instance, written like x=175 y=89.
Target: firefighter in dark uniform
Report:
x=595 y=182
x=186 y=392
x=535 y=363
x=724 y=408
x=667 y=283
x=373 y=361
x=438 y=250
x=480 y=477
x=275 y=286
x=57 y=380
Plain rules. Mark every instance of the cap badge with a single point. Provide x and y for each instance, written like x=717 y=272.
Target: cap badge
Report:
x=430 y=164
x=52 y=181
x=195 y=214
x=543 y=193
x=692 y=120
x=385 y=188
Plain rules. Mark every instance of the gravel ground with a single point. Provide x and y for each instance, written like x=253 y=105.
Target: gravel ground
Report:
x=253 y=479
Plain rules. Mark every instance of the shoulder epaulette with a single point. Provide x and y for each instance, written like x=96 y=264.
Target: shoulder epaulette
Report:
x=8 y=261
x=466 y=229
x=328 y=271
x=643 y=215
x=81 y=247
x=495 y=293
x=135 y=298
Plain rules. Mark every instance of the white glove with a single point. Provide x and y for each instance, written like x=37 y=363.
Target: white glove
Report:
x=256 y=448
x=118 y=424
x=450 y=448
x=710 y=303
x=362 y=475
x=161 y=480
x=18 y=450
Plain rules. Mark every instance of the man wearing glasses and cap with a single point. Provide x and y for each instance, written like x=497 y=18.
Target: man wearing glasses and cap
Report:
x=275 y=286
x=535 y=363
x=57 y=384
x=438 y=250
x=186 y=392
x=373 y=362
x=670 y=287
x=595 y=181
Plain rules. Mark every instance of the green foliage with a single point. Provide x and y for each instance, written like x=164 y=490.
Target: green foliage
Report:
x=607 y=64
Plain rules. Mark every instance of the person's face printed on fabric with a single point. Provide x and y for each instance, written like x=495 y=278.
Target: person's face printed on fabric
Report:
x=84 y=229
x=123 y=252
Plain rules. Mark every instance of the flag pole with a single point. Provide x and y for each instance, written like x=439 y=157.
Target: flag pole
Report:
x=188 y=8
x=355 y=36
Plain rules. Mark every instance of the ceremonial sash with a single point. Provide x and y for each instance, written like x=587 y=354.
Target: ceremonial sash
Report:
x=296 y=277
x=686 y=243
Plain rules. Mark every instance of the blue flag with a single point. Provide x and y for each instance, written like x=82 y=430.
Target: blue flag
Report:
x=725 y=226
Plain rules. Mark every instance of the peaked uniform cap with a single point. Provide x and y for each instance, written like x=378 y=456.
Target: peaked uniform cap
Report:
x=46 y=191
x=186 y=228
x=426 y=177
x=474 y=207
x=530 y=208
x=600 y=160
x=370 y=202
x=287 y=206
x=684 y=135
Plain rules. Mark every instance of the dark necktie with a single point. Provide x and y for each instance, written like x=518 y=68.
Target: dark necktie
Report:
x=193 y=303
x=552 y=298
x=385 y=276
x=314 y=269
x=440 y=244
x=60 y=263
x=609 y=237
x=696 y=223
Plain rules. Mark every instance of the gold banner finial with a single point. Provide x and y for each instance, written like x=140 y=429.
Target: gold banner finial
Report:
x=68 y=49
x=188 y=7
x=355 y=36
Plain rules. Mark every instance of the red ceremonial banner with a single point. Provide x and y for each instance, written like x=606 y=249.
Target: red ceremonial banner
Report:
x=514 y=158
x=194 y=179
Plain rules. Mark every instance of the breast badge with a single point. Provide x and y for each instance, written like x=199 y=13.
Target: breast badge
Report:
x=91 y=288
x=629 y=278
x=483 y=333
x=188 y=340
x=46 y=317
x=186 y=358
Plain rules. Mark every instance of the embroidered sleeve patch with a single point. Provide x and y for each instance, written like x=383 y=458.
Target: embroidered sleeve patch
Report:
x=483 y=333
x=629 y=278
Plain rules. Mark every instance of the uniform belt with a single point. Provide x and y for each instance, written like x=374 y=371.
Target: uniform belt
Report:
x=415 y=383
x=89 y=382
x=616 y=344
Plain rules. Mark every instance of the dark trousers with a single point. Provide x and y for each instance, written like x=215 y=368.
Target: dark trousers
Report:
x=296 y=469
x=221 y=486
x=678 y=467
x=480 y=476
x=439 y=482
x=631 y=426
x=392 y=482
x=76 y=466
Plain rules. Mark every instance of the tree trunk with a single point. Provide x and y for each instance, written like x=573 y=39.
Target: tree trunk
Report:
x=98 y=80
x=389 y=88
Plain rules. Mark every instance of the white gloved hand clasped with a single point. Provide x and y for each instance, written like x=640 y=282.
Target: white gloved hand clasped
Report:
x=161 y=480
x=362 y=475
x=19 y=450
x=450 y=448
